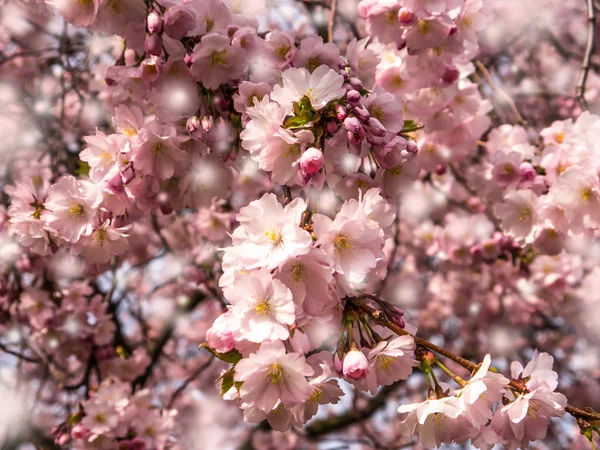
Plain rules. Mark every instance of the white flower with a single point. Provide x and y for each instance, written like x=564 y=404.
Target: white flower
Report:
x=321 y=86
x=263 y=305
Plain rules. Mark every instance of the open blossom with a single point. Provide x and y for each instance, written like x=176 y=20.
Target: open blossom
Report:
x=269 y=233
x=264 y=306
x=481 y=391
x=518 y=213
x=215 y=61
x=71 y=207
x=102 y=154
x=437 y=421
x=525 y=417
x=102 y=244
x=390 y=361
x=309 y=278
x=321 y=87
x=157 y=151
x=271 y=375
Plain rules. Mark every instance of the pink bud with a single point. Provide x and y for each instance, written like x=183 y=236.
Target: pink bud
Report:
x=150 y=69
x=451 y=74
x=441 y=169
x=352 y=124
x=527 y=171
x=153 y=44
x=340 y=112
x=353 y=96
x=207 y=123
x=311 y=161
x=355 y=365
x=405 y=15
x=193 y=124
x=155 y=22
x=128 y=174
x=79 y=432
x=361 y=112
x=411 y=146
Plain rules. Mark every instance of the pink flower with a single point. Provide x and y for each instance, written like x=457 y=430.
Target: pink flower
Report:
x=103 y=243
x=481 y=391
x=271 y=375
x=437 y=421
x=178 y=21
x=525 y=418
x=518 y=213
x=355 y=365
x=81 y=13
x=215 y=61
x=269 y=233
x=157 y=151
x=390 y=361
x=309 y=277
x=264 y=306
x=72 y=207
x=103 y=154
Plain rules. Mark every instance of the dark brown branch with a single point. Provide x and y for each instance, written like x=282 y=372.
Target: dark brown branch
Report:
x=587 y=57
x=380 y=318
x=335 y=423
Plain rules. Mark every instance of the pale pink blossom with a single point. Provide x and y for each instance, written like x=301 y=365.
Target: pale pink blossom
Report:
x=271 y=375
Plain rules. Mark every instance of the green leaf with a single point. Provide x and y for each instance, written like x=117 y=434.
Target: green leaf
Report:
x=410 y=126
x=226 y=381
x=83 y=169
x=304 y=113
x=231 y=357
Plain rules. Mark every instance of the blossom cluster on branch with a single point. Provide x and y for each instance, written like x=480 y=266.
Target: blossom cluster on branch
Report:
x=304 y=197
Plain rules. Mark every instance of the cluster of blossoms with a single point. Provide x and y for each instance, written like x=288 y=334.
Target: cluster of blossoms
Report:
x=287 y=184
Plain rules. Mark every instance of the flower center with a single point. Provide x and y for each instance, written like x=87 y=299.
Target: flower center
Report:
x=76 y=210
x=341 y=242
x=217 y=58
x=100 y=236
x=384 y=362
x=275 y=374
x=263 y=307
x=275 y=237
x=298 y=271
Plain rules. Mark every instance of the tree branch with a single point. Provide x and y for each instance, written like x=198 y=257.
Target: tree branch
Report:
x=587 y=57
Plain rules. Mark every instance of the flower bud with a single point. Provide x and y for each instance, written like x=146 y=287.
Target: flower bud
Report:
x=358 y=137
x=353 y=96
x=340 y=112
x=527 y=171
x=128 y=174
x=355 y=365
x=451 y=74
x=440 y=169
x=193 y=124
x=150 y=69
x=155 y=22
x=207 y=123
x=153 y=45
x=405 y=15
x=411 y=146
x=356 y=83
x=375 y=127
x=361 y=112
x=79 y=432
x=311 y=161
x=352 y=124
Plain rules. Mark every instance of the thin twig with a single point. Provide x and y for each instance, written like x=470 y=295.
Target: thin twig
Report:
x=500 y=93
x=331 y=20
x=188 y=380
x=587 y=57
x=381 y=319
